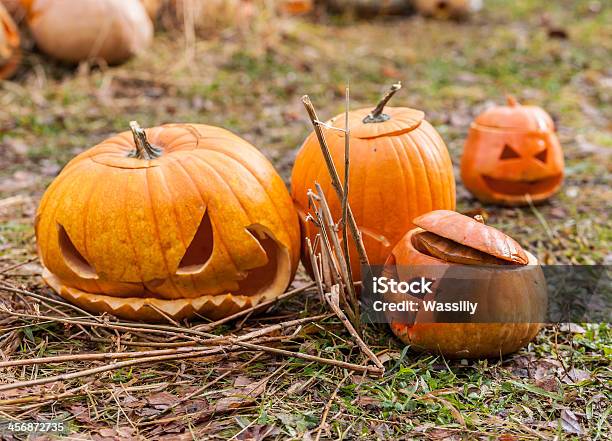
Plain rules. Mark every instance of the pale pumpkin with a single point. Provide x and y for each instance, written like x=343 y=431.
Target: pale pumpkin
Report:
x=505 y=280
x=79 y=30
x=399 y=169
x=152 y=7
x=512 y=155
x=187 y=219
x=10 y=53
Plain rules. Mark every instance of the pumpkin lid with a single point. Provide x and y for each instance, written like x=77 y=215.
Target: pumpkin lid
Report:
x=401 y=120
x=516 y=117
x=469 y=232
x=380 y=121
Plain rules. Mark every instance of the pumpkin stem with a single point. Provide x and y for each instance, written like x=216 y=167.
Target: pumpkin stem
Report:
x=479 y=218
x=377 y=115
x=144 y=150
x=512 y=102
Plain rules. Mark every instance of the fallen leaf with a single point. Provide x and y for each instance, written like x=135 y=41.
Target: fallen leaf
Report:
x=258 y=432
x=570 y=422
x=548 y=384
x=162 y=400
x=575 y=376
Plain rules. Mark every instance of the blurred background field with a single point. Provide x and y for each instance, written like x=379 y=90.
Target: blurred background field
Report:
x=247 y=74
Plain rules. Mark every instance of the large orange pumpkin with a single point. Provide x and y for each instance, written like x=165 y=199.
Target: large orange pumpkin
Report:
x=505 y=280
x=10 y=53
x=78 y=30
x=194 y=220
x=512 y=151
x=399 y=168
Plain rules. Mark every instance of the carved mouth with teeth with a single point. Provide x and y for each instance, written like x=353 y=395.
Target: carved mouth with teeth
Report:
x=519 y=188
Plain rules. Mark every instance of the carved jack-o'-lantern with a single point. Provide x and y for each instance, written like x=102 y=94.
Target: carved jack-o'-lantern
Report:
x=512 y=151
x=178 y=220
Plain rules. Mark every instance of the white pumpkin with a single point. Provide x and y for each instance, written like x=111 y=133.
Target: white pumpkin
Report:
x=78 y=30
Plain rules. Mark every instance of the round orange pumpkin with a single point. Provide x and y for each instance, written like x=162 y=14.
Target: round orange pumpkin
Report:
x=399 y=169
x=505 y=280
x=512 y=151
x=78 y=30
x=10 y=53
x=187 y=219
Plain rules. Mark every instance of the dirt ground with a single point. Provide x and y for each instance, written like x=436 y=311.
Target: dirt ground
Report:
x=553 y=54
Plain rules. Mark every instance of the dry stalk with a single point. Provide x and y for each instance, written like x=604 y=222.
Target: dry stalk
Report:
x=343 y=259
x=335 y=179
x=334 y=302
x=221 y=340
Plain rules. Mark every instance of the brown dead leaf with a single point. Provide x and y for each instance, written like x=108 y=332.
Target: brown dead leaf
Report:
x=240 y=397
x=570 y=423
x=370 y=403
x=575 y=376
x=258 y=432
x=161 y=400
x=548 y=383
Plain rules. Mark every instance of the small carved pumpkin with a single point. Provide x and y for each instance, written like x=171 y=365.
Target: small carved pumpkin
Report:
x=186 y=219
x=512 y=151
x=10 y=53
x=399 y=169
x=78 y=30
x=505 y=280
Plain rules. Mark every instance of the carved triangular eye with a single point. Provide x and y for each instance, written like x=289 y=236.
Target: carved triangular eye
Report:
x=200 y=249
x=72 y=257
x=542 y=156
x=509 y=153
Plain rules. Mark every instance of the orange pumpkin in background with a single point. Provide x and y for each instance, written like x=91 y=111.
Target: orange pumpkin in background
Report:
x=505 y=280
x=399 y=169
x=512 y=154
x=180 y=220
x=10 y=52
x=79 y=30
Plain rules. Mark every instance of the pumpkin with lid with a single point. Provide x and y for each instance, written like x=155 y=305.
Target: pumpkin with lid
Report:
x=399 y=169
x=176 y=220
x=462 y=255
x=512 y=155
